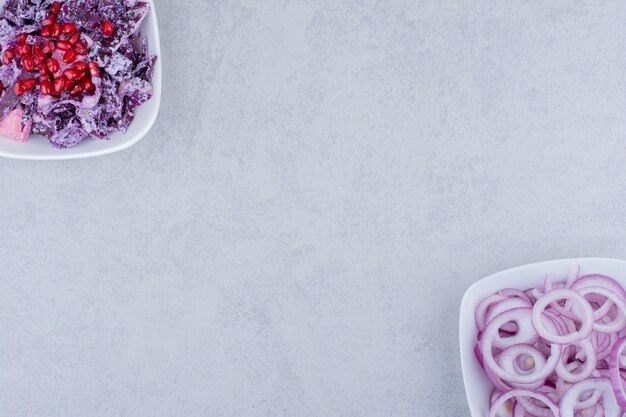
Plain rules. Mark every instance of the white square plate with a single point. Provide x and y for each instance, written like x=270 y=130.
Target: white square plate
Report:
x=38 y=148
x=477 y=387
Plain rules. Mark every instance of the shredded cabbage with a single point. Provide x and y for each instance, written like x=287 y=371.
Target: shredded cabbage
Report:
x=126 y=69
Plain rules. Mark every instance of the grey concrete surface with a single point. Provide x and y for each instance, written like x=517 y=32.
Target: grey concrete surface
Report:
x=325 y=179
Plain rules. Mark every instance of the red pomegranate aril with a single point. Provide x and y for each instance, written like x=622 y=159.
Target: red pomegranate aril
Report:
x=55 y=8
x=76 y=91
x=69 y=57
x=81 y=48
x=64 y=45
x=56 y=30
x=1 y=86
x=59 y=84
x=48 y=47
x=69 y=28
x=43 y=78
x=53 y=65
x=94 y=69
x=43 y=69
x=87 y=85
x=28 y=63
x=80 y=66
x=46 y=87
x=18 y=88
x=107 y=28
x=23 y=49
x=22 y=38
x=38 y=54
x=46 y=31
x=9 y=54
x=73 y=40
x=50 y=20
x=70 y=74
x=30 y=83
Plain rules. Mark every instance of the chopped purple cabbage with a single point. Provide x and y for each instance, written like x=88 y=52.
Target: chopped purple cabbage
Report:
x=126 y=72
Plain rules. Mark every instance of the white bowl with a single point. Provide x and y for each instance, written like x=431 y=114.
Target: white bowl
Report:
x=38 y=148
x=477 y=387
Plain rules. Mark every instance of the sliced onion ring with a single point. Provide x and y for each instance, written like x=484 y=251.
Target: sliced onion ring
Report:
x=570 y=400
x=530 y=406
x=615 y=325
x=523 y=393
x=588 y=367
x=597 y=280
x=614 y=371
x=520 y=316
x=585 y=316
x=481 y=311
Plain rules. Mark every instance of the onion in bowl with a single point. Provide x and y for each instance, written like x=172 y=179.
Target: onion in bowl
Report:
x=557 y=352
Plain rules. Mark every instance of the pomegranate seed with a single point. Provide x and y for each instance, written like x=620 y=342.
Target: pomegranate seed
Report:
x=28 y=63
x=43 y=69
x=46 y=87
x=70 y=74
x=80 y=66
x=46 y=31
x=94 y=69
x=24 y=49
x=69 y=28
x=30 y=83
x=53 y=65
x=55 y=8
x=18 y=89
x=88 y=85
x=50 y=20
x=73 y=40
x=43 y=78
x=76 y=91
x=9 y=54
x=69 y=57
x=81 y=48
x=38 y=54
x=56 y=30
x=64 y=45
x=1 y=86
x=107 y=28
x=59 y=85
x=22 y=38
x=49 y=47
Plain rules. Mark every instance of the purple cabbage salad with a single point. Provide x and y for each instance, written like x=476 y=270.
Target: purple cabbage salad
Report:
x=95 y=68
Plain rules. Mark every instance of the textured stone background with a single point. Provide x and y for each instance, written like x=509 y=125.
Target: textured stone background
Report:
x=324 y=181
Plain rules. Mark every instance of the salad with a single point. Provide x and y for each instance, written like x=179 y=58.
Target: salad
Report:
x=558 y=350
x=72 y=69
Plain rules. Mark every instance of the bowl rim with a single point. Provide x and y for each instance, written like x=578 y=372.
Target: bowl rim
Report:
x=473 y=287
x=151 y=119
